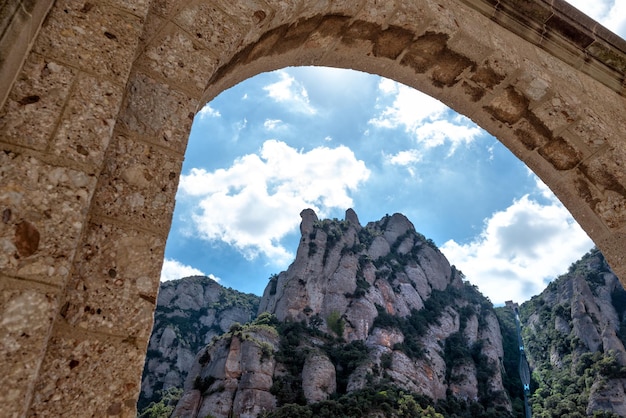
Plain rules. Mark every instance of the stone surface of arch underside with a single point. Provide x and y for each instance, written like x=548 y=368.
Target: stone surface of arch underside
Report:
x=94 y=129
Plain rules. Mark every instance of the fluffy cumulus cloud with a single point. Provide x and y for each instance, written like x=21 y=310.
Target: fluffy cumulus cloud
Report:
x=208 y=112
x=521 y=248
x=290 y=92
x=174 y=270
x=429 y=121
x=254 y=203
x=406 y=158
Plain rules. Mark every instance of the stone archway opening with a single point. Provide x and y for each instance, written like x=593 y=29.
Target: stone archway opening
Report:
x=251 y=118
x=94 y=130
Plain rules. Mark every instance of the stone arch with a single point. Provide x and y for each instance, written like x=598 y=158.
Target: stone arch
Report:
x=94 y=131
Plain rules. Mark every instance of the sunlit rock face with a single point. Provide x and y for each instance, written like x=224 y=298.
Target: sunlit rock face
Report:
x=579 y=323
x=190 y=313
x=360 y=306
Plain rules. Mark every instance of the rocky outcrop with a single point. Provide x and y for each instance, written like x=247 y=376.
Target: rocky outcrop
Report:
x=360 y=306
x=579 y=324
x=190 y=313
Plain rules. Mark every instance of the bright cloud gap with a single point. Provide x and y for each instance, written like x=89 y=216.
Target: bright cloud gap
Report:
x=251 y=203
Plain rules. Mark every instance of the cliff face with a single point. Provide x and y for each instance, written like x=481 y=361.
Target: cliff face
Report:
x=190 y=313
x=574 y=334
x=360 y=308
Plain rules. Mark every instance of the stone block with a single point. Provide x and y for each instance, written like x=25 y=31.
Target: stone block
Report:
x=560 y=111
x=25 y=319
x=166 y=8
x=217 y=31
x=509 y=106
x=35 y=103
x=100 y=374
x=158 y=113
x=19 y=23
x=136 y=7
x=115 y=281
x=87 y=124
x=612 y=246
x=138 y=184
x=561 y=153
x=154 y=23
x=95 y=37
x=376 y=11
x=415 y=16
x=179 y=59
x=578 y=196
x=43 y=208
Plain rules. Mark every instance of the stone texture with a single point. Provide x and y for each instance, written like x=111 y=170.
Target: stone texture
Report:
x=318 y=378
x=187 y=62
x=157 y=113
x=95 y=37
x=43 y=210
x=138 y=184
x=29 y=116
x=88 y=120
x=113 y=288
x=454 y=44
x=26 y=318
x=73 y=368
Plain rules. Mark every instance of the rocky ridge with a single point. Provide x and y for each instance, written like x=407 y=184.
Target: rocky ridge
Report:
x=574 y=333
x=360 y=307
x=190 y=313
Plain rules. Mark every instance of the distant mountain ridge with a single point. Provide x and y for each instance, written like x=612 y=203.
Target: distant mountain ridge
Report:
x=190 y=313
x=372 y=321
x=575 y=332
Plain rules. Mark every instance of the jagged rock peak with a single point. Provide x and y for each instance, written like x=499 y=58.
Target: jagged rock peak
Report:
x=343 y=267
x=353 y=218
x=309 y=217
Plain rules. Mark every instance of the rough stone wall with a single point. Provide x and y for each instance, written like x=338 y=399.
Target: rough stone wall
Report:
x=94 y=128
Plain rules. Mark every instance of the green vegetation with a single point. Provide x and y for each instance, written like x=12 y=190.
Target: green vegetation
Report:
x=164 y=406
x=335 y=323
x=510 y=375
x=415 y=325
x=564 y=369
x=390 y=401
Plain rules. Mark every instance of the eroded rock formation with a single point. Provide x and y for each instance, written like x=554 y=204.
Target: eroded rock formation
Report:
x=360 y=306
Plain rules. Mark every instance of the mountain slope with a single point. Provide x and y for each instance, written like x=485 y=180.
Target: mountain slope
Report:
x=190 y=313
x=361 y=308
x=574 y=333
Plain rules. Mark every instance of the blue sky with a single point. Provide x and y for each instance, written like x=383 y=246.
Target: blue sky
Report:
x=332 y=139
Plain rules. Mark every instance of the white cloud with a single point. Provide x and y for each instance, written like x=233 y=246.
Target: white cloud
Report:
x=272 y=124
x=404 y=158
x=174 y=270
x=520 y=248
x=430 y=122
x=610 y=13
x=410 y=108
x=208 y=112
x=289 y=91
x=254 y=203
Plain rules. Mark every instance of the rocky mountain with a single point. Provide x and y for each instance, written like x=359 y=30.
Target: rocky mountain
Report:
x=190 y=313
x=574 y=333
x=367 y=321
x=372 y=321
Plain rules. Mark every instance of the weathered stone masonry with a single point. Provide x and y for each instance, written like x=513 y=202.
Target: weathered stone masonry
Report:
x=97 y=100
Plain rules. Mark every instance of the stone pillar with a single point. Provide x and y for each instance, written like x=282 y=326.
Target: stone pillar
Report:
x=20 y=21
x=55 y=128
